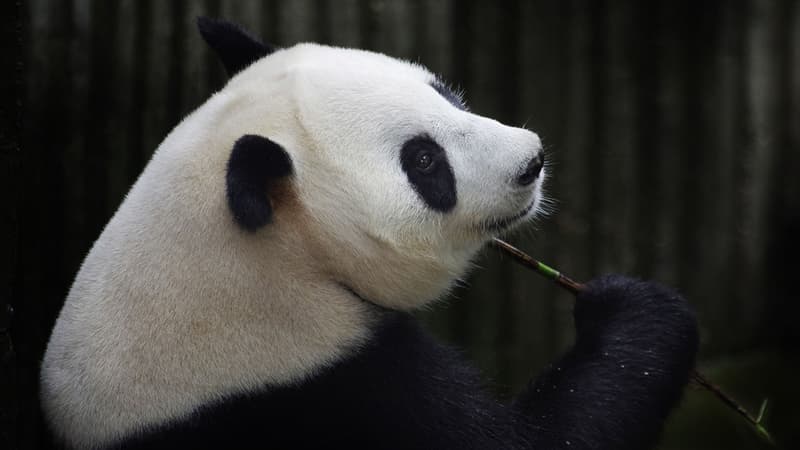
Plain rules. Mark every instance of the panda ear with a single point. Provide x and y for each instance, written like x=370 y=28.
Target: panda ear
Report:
x=254 y=164
x=235 y=47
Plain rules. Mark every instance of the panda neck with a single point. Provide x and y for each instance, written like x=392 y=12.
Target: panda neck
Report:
x=222 y=316
x=377 y=307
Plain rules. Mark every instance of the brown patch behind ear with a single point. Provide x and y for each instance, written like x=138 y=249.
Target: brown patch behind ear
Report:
x=282 y=195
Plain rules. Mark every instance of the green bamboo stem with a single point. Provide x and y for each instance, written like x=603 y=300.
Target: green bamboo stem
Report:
x=575 y=287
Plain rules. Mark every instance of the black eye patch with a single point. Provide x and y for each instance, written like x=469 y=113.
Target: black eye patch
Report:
x=448 y=94
x=429 y=172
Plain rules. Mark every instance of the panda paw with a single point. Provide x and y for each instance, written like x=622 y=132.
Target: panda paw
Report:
x=629 y=309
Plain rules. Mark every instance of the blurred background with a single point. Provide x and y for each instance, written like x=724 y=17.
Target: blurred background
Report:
x=673 y=128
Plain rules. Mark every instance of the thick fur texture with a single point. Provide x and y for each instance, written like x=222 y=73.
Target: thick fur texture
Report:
x=635 y=347
x=254 y=286
x=405 y=390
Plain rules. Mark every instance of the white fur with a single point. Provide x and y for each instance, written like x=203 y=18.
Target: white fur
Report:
x=176 y=306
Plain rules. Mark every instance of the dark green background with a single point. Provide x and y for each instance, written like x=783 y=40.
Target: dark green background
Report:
x=673 y=127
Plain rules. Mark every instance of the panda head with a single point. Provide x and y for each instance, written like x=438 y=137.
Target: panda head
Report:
x=371 y=164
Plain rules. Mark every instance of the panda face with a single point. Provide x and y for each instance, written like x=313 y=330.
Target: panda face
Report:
x=401 y=183
x=387 y=180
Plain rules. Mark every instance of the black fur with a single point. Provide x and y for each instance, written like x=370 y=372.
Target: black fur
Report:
x=437 y=185
x=635 y=346
x=255 y=161
x=455 y=99
x=235 y=47
x=404 y=390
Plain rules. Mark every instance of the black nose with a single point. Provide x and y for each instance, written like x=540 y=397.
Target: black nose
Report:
x=532 y=170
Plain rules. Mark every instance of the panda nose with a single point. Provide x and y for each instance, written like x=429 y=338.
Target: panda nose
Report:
x=532 y=170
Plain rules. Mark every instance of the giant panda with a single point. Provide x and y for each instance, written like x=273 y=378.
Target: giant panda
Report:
x=256 y=286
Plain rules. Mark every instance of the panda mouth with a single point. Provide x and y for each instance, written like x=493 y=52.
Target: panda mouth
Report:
x=499 y=224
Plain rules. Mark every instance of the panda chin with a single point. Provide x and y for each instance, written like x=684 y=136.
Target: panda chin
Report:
x=497 y=225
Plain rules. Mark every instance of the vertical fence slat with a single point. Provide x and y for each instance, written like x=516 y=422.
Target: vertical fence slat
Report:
x=394 y=36
x=141 y=61
x=700 y=202
x=670 y=132
x=432 y=46
x=616 y=219
x=120 y=107
x=594 y=158
x=176 y=62
x=757 y=158
x=647 y=67
x=156 y=71
x=719 y=230
x=47 y=129
x=11 y=88
x=97 y=25
x=782 y=265
x=296 y=20
x=344 y=23
x=194 y=87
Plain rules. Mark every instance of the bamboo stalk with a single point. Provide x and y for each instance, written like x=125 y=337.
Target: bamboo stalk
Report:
x=575 y=287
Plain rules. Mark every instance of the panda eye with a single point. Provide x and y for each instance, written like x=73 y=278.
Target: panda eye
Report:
x=424 y=162
x=429 y=173
x=422 y=156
